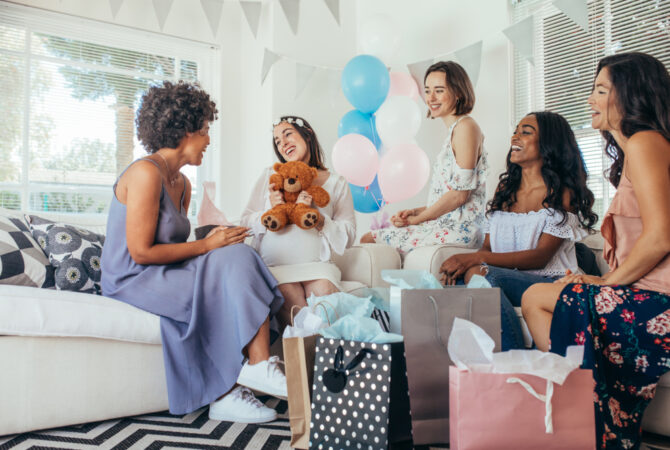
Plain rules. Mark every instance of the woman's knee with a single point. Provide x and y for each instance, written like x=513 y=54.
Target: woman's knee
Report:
x=367 y=238
x=320 y=287
x=540 y=296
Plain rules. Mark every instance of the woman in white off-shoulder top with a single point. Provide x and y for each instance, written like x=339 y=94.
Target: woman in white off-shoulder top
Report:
x=540 y=209
x=301 y=259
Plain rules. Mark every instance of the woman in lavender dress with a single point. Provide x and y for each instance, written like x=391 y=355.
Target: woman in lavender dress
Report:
x=214 y=295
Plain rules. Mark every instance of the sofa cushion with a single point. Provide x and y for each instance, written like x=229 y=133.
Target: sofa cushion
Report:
x=22 y=262
x=74 y=252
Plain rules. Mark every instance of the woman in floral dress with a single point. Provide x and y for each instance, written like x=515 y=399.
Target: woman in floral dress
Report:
x=457 y=196
x=622 y=318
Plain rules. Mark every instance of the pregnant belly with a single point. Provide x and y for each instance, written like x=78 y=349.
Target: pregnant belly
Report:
x=291 y=245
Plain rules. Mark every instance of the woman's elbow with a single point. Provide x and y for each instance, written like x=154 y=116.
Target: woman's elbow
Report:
x=140 y=256
x=462 y=198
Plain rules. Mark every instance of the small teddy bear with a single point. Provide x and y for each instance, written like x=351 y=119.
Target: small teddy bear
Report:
x=292 y=178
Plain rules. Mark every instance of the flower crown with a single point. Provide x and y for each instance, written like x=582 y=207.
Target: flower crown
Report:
x=292 y=120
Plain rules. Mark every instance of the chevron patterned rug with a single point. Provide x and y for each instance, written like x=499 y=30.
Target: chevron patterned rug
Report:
x=162 y=431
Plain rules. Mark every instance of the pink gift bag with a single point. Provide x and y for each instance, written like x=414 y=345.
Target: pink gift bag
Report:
x=510 y=411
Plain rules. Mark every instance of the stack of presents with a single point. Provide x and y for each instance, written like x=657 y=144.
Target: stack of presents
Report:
x=420 y=364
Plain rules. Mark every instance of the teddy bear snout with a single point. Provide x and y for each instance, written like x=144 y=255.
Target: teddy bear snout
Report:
x=291 y=181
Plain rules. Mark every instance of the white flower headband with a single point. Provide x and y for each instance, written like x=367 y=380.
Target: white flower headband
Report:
x=292 y=120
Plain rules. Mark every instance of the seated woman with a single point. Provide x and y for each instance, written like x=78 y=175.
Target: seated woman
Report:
x=300 y=259
x=540 y=208
x=457 y=195
x=215 y=295
x=622 y=318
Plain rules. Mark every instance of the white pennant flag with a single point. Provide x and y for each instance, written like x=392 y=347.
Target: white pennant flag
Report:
x=521 y=36
x=269 y=58
x=303 y=72
x=115 y=5
x=291 y=10
x=470 y=58
x=162 y=9
x=252 y=11
x=334 y=7
x=576 y=10
x=418 y=71
x=212 y=10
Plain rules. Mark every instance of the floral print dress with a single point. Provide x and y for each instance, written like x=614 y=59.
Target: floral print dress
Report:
x=461 y=226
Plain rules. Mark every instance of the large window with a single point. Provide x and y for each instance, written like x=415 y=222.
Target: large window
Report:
x=69 y=91
x=566 y=58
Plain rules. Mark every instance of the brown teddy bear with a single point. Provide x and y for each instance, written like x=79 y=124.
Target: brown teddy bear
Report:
x=292 y=178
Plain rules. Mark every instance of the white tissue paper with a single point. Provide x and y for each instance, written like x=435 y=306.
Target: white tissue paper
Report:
x=305 y=323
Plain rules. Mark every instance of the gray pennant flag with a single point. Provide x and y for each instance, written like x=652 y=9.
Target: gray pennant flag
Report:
x=303 y=72
x=576 y=10
x=269 y=58
x=334 y=7
x=470 y=58
x=418 y=71
x=162 y=9
x=212 y=9
x=521 y=36
x=291 y=10
x=252 y=11
x=115 y=5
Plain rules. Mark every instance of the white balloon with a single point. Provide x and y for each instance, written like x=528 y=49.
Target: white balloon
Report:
x=398 y=120
x=379 y=36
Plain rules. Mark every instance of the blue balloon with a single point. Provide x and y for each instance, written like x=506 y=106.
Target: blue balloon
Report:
x=367 y=199
x=359 y=123
x=365 y=83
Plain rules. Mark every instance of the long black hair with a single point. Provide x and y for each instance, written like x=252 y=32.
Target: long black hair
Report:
x=642 y=93
x=307 y=132
x=563 y=169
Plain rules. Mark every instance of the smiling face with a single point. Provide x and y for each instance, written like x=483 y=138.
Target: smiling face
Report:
x=290 y=143
x=526 y=142
x=438 y=97
x=197 y=145
x=605 y=115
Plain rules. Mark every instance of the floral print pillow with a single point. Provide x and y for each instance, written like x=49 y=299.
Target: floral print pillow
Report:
x=74 y=252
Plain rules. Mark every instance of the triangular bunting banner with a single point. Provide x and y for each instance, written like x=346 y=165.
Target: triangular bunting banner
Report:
x=303 y=73
x=418 y=71
x=576 y=10
x=252 y=11
x=521 y=37
x=269 y=58
x=115 y=5
x=291 y=10
x=212 y=9
x=334 y=7
x=162 y=9
x=470 y=58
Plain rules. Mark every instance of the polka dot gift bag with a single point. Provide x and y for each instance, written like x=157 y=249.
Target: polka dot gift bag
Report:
x=359 y=397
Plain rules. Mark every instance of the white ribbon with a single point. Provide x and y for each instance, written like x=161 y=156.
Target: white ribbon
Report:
x=548 y=412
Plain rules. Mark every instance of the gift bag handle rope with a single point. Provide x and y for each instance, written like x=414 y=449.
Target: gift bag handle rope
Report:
x=438 y=335
x=321 y=304
x=548 y=411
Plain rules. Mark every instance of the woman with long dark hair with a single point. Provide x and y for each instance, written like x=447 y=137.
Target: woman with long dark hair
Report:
x=540 y=208
x=623 y=317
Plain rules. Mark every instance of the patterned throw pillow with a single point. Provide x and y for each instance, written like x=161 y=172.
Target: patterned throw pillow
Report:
x=22 y=262
x=74 y=252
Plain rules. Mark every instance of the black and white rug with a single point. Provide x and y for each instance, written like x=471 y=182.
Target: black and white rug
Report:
x=162 y=431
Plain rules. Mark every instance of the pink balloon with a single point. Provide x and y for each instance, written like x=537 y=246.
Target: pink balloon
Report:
x=355 y=158
x=403 y=172
x=403 y=84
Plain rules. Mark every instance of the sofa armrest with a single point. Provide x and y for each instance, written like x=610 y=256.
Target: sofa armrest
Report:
x=364 y=263
x=431 y=257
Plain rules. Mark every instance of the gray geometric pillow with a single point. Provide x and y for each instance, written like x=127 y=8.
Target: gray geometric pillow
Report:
x=22 y=262
x=74 y=252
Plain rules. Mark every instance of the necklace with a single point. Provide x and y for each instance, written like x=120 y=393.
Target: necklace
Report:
x=172 y=180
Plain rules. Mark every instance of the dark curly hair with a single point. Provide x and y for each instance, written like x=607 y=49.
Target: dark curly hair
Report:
x=642 y=95
x=170 y=110
x=308 y=134
x=458 y=83
x=562 y=168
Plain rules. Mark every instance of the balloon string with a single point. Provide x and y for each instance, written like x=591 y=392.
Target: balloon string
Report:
x=377 y=202
x=375 y=137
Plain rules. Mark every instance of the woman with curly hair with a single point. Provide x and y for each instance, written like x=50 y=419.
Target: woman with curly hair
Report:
x=623 y=317
x=214 y=295
x=540 y=208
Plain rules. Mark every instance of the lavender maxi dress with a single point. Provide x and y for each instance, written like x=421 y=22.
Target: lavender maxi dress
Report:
x=211 y=306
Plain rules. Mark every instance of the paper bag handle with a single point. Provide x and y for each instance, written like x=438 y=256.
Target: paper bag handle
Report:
x=321 y=304
x=548 y=411
x=438 y=336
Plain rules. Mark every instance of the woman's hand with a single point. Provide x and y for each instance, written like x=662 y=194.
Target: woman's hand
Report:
x=570 y=278
x=276 y=197
x=304 y=198
x=402 y=218
x=455 y=266
x=222 y=236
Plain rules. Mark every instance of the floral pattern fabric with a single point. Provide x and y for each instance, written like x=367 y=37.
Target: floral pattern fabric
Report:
x=626 y=334
x=461 y=226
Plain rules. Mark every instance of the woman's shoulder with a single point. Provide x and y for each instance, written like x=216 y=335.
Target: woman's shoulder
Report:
x=648 y=143
x=467 y=124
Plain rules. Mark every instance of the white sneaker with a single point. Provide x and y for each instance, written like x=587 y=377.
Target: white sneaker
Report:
x=265 y=377
x=240 y=405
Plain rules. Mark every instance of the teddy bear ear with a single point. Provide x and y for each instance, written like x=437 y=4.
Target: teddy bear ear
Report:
x=277 y=166
x=314 y=171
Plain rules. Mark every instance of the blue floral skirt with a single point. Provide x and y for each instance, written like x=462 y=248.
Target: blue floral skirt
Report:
x=626 y=334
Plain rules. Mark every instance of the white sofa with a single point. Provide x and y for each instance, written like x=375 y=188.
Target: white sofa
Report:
x=71 y=357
